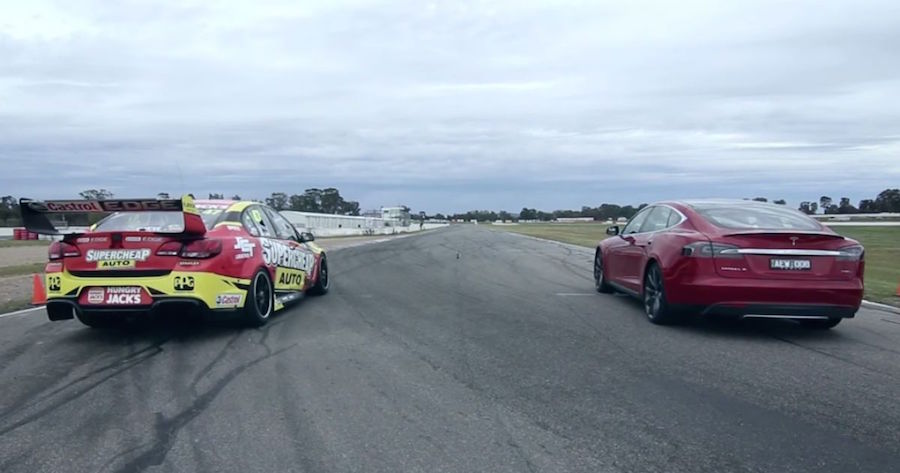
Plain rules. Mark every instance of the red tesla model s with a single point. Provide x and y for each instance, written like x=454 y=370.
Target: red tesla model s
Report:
x=732 y=258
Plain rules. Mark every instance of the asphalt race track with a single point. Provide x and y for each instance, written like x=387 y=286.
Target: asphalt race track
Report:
x=503 y=359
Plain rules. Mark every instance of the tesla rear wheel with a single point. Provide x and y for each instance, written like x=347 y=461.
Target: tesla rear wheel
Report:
x=322 y=280
x=820 y=324
x=655 y=304
x=600 y=276
x=260 y=300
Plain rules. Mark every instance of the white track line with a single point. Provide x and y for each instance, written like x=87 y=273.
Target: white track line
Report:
x=21 y=312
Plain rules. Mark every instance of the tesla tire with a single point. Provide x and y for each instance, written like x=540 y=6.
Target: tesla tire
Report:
x=600 y=275
x=656 y=306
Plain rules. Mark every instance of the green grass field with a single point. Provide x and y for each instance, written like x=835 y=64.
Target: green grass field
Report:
x=13 y=305
x=15 y=243
x=882 y=250
x=20 y=269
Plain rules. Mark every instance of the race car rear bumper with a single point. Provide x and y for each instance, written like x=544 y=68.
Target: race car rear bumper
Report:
x=65 y=308
x=204 y=291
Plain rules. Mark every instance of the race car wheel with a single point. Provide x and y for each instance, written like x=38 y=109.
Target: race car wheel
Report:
x=260 y=299
x=655 y=304
x=94 y=320
x=322 y=281
x=600 y=276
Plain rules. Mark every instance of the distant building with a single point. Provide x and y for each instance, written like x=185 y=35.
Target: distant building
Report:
x=398 y=216
x=574 y=219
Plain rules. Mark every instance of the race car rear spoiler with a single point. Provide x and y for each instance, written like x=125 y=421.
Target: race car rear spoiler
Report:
x=34 y=212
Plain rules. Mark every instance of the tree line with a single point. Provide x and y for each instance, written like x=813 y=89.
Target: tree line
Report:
x=887 y=200
x=602 y=212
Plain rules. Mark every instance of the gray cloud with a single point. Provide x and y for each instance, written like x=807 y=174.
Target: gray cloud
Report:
x=450 y=106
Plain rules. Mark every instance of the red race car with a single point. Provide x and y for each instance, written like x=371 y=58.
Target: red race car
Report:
x=175 y=255
x=732 y=258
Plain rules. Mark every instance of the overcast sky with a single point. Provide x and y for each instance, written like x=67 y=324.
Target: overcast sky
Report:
x=449 y=106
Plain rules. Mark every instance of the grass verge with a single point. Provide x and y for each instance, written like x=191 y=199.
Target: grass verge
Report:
x=21 y=269
x=14 y=305
x=882 y=250
x=16 y=243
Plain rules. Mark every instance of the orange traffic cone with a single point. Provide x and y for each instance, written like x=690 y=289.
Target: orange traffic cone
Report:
x=38 y=295
x=898 y=289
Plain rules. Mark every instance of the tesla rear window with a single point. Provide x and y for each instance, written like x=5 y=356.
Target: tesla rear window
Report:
x=756 y=217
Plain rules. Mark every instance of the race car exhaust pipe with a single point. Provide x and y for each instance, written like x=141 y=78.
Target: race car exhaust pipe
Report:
x=59 y=310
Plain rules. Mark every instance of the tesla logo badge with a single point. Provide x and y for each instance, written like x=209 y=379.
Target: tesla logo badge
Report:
x=794 y=241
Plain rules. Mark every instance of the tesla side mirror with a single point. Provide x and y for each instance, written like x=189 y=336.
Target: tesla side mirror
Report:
x=306 y=236
x=613 y=230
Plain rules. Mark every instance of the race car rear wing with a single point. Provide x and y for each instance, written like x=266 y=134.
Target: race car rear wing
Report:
x=34 y=212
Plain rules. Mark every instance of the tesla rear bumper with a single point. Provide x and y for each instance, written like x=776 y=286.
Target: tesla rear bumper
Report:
x=767 y=297
x=799 y=311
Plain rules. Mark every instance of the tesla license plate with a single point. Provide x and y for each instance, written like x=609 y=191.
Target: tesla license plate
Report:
x=790 y=264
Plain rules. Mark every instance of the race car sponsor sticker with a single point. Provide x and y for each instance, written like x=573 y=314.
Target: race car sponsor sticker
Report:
x=116 y=264
x=189 y=263
x=139 y=205
x=279 y=254
x=228 y=300
x=67 y=206
x=245 y=247
x=139 y=254
x=286 y=278
x=54 y=282
x=136 y=239
x=96 y=295
x=183 y=283
x=92 y=240
x=116 y=295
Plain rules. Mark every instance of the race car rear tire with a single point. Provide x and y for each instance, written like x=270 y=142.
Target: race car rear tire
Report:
x=322 y=280
x=260 y=300
x=95 y=320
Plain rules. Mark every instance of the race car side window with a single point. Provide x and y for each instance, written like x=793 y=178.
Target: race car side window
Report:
x=283 y=228
x=262 y=221
x=249 y=224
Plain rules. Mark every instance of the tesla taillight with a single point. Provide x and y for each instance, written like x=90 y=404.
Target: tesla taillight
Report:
x=706 y=249
x=200 y=249
x=852 y=253
x=61 y=249
x=169 y=248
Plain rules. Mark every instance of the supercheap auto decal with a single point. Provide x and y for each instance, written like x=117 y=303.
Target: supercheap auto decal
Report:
x=279 y=254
